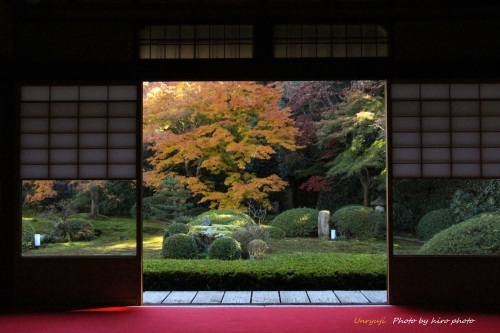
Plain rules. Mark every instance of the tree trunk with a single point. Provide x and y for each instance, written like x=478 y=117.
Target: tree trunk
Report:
x=94 y=201
x=365 y=182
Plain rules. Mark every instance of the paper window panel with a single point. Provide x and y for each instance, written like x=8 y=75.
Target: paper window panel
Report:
x=436 y=170
x=64 y=110
x=491 y=170
x=435 y=109
x=406 y=109
x=437 y=139
x=464 y=91
x=490 y=124
x=405 y=91
x=436 y=155
x=77 y=132
x=466 y=155
x=490 y=90
x=490 y=139
x=466 y=124
x=406 y=155
x=465 y=108
x=406 y=171
x=406 y=124
x=406 y=139
x=436 y=124
x=491 y=155
x=490 y=108
x=435 y=91
x=467 y=139
x=466 y=170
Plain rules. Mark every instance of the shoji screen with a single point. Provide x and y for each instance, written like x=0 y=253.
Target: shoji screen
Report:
x=445 y=130
x=78 y=132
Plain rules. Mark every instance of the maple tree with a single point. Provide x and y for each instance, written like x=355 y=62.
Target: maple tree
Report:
x=38 y=190
x=207 y=134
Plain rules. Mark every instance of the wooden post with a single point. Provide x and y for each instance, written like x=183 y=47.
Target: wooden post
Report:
x=323 y=224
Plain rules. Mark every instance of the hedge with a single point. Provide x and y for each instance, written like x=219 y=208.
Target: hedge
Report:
x=287 y=272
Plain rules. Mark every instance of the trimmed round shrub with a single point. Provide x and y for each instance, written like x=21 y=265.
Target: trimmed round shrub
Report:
x=357 y=221
x=176 y=228
x=244 y=237
x=225 y=248
x=435 y=221
x=224 y=217
x=257 y=248
x=179 y=246
x=298 y=222
x=79 y=230
x=274 y=232
x=28 y=235
x=479 y=235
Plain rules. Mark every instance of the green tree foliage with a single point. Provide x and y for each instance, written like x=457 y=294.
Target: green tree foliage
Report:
x=354 y=131
x=472 y=201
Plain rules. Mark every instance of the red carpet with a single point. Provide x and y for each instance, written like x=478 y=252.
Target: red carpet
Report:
x=279 y=319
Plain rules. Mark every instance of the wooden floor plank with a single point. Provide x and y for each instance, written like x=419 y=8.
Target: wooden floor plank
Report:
x=154 y=297
x=375 y=296
x=237 y=297
x=180 y=297
x=322 y=297
x=351 y=297
x=204 y=297
x=265 y=297
x=294 y=297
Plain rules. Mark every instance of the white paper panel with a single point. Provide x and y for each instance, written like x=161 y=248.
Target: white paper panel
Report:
x=436 y=109
x=490 y=124
x=437 y=139
x=35 y=93
x=123 y=109
x=435 y=91
x=435 y=124
x=464 y=91
x=34 y=110
x=436 y=170
x=122 y=124
x=93 y=125
x=490 y=90
x=64 y=156
x=406 y=155
x=34 y=156
x=63 y=125
x=405 y=108
x=93 y=93
x=491 y=155
x=436 y=155
x=466 y=155
x=405 y=124
x=64 y=110
x=64 y=140
x=121 y=156
x=64 y=93
x=63 y=171
x=466 y=170
x=93 y=156
x=93 y=110
x=93 y=140
x=405 y=91
x=406 y=139
x=491 y=170
x=34 y=172
x=34 y=140
x=406 y=170
x=35 y=125
x=465 y=108
x=490 y=108
x=465 y=124
x=122 y=171
x=122 y=140
x=92 y=171
x=491 y=139
x=122 y=93
x=466 y=139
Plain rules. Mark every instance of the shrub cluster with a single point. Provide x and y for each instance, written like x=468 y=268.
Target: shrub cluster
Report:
x=357 y=221
x=245 y=236
x=298 y=222
x=225 y=248
x=479 y=235
x=176 y=228
x=435 y=221
x=257 y=248
x=28 y=235
x=224 y=217
x=274 y=232
x=179 y=246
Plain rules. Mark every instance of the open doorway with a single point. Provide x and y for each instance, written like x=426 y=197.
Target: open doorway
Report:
x=241 y=170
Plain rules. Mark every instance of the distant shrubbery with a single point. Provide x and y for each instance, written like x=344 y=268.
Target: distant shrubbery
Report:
x=224 y=217
x=358 y=221
x=225 y=248
x=298 y=222
x=479 y=235
x=28 y=235
x=435 y=221
x=179 y=246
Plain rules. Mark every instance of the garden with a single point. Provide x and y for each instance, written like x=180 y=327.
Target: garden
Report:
x=235 y=176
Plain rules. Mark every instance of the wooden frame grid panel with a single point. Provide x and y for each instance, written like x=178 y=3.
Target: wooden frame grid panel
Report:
x=78 y=132
x=331 y=41
x=445 y=130
x=196 y=42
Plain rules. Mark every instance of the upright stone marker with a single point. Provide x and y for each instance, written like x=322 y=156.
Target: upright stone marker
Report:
x=323 y=224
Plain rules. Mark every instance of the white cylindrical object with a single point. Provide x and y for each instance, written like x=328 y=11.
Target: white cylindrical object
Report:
x=333 y=234
x=37 y=240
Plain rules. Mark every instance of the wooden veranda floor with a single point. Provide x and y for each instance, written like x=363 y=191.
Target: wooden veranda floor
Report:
x=317 y=297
